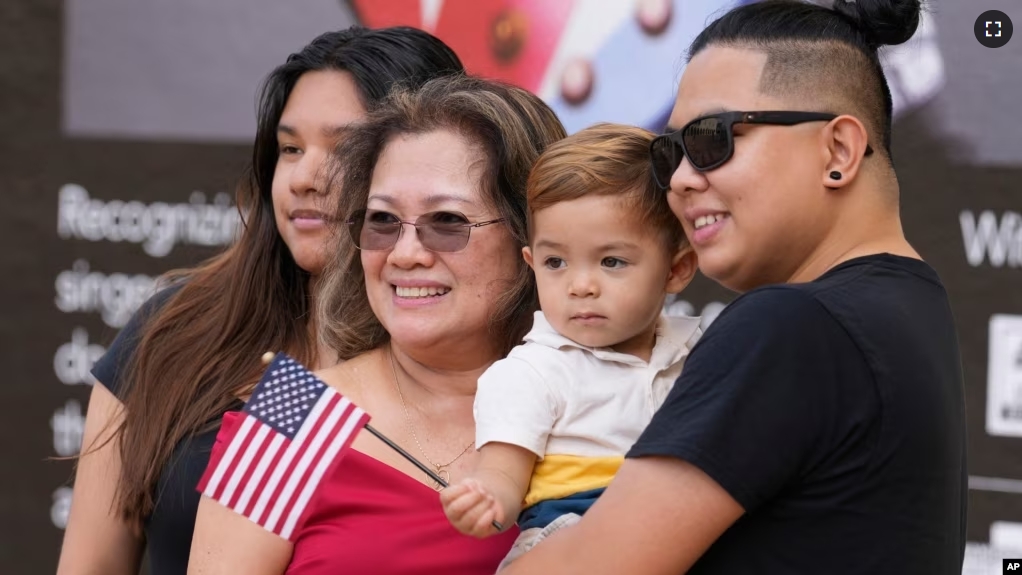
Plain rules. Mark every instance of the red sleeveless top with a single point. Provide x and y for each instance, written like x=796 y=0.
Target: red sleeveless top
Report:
x=368 y=517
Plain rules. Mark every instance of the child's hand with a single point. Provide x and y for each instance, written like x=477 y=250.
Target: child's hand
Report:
x=471 y=508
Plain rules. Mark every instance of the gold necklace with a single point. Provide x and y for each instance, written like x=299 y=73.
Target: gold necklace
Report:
x=441 y=468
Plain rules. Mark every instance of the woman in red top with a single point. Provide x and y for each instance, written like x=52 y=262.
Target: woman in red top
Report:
x=427 y=289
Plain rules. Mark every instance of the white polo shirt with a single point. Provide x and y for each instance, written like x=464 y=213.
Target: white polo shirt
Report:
x=579 y=409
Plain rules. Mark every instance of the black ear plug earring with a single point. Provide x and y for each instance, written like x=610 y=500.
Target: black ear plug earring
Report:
x=835 y=175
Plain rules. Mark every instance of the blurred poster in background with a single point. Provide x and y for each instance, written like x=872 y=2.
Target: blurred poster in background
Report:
x=128 y=123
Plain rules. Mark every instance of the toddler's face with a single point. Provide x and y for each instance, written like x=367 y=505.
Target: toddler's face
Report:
x=602 y=278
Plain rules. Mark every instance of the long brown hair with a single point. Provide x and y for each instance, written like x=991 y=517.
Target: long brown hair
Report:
x=510 y=126
x=199 y=352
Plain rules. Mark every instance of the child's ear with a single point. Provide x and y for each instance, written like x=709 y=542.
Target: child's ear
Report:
x=527 y=254
x=683 y=269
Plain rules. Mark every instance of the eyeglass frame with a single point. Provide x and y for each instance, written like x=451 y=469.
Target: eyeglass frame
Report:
x=729 y=119
x=400 y=225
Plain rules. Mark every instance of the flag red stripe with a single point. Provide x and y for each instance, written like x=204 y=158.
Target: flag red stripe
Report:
x=362 y=421
x=245 y=441
x=330 y=435
x=253 y=462
x=278 y=473
x=299 y=452
x=250 y=508
x=219 y=449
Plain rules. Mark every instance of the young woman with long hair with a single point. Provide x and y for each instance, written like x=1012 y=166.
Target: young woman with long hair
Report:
x=193 y=351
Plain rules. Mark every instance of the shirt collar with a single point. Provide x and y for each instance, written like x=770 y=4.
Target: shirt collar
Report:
x=675 y=336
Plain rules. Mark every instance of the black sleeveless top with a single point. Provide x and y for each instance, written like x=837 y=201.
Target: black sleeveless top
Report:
x=168 y=530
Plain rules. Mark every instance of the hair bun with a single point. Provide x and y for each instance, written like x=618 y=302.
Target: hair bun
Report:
x=883 y=22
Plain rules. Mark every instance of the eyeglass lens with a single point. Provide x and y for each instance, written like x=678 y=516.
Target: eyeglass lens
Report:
x=707 y=142
x=438 y=231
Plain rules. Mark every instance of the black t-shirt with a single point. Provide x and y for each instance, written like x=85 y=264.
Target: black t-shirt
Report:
x=833 y=412
x=168 y=530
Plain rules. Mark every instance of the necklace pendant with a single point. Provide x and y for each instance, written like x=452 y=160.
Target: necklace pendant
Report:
x=443 y=474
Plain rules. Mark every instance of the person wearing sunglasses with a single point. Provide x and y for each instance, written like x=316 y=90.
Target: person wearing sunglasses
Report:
x=426 y=288
x=818 y=425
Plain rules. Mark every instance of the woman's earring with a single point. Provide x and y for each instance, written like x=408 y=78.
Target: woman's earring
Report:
x=835 y=175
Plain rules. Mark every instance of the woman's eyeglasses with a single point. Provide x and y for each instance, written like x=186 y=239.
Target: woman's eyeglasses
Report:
x=374 y=230
x=709 y=141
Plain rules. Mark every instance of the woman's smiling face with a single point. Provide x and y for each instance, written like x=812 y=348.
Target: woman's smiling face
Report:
x=425 y=298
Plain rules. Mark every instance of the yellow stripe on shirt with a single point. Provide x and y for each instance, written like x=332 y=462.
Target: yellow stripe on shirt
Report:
x=559 y=476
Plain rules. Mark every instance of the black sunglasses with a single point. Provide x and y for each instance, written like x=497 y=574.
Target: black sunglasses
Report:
x=709 y=141
x=374 y=230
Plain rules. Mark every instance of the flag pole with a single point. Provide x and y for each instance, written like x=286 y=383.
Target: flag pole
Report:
x=268 y=357
x=432 y=474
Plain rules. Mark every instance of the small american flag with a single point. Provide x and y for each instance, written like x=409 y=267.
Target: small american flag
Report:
x=292 y=431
